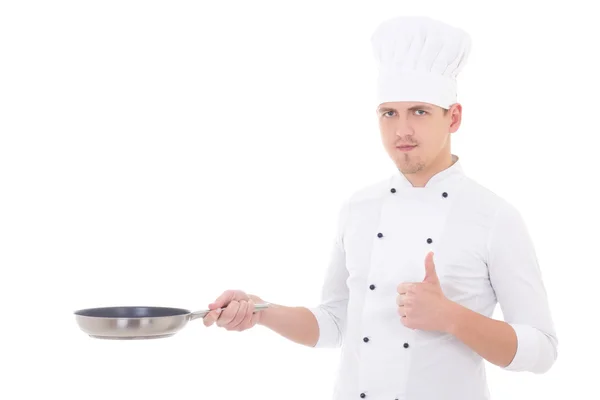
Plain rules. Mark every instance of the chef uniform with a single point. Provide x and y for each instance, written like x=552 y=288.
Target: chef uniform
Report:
x=482 y=252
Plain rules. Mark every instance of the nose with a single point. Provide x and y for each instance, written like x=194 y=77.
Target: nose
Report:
x=402 y=127
x=404 y=130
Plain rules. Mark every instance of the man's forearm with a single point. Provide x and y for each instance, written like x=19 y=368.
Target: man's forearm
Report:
x=297 y=324
x=494 y=340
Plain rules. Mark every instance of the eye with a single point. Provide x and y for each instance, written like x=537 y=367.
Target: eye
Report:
x=424 y=112
x=387 y=112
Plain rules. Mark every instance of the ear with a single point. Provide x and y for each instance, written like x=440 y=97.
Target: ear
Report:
x=455 y=115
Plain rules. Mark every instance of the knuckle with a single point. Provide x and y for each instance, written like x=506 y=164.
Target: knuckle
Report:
x=239 y=294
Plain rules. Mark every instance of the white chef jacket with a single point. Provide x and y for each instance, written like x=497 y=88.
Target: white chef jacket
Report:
x=483 y=255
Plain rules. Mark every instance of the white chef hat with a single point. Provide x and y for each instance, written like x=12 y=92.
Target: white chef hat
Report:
x=419 y=59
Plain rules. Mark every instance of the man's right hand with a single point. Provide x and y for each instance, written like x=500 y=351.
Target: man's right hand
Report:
x=234 y=311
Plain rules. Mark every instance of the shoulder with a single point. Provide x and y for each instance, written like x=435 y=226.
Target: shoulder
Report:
x=503 y=219
x=480 y=197
x=368 y=195
x=371 y=192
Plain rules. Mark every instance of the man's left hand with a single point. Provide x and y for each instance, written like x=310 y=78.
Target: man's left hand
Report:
x=423 y=305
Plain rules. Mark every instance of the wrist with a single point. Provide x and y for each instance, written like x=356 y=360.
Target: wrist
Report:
x=258 y=300
x=454 y=317
x=255 y=299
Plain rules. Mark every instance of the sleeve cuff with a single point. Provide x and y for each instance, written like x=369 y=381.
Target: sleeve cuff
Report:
x=528 y=348
x=329 y=332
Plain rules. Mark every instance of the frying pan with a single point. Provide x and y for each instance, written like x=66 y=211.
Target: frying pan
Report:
x=137 y=322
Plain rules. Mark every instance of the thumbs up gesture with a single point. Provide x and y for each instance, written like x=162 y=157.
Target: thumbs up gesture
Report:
x=423 y=305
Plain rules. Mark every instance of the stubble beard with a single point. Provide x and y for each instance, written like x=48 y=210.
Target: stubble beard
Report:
x=410 y=165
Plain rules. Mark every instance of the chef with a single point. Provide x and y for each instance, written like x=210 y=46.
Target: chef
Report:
x=421 y=258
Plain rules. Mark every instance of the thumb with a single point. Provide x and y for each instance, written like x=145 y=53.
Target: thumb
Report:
x=212 y=317
x=222 y=300
x=430 y=272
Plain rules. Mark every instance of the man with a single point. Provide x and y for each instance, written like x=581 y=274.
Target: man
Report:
x=420 y=259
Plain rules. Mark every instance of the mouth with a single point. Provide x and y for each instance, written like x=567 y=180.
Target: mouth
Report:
x=405 y=148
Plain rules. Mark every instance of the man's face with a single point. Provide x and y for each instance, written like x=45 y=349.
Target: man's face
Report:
x=422 y=126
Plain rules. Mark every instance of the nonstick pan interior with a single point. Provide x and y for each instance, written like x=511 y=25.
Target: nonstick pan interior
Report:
x=131 y=312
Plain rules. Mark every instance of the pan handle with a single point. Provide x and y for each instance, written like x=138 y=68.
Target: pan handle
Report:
x=202 y=314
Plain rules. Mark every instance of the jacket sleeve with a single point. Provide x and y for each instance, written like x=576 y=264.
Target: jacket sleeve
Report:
x=517 y=281
x=331 y=312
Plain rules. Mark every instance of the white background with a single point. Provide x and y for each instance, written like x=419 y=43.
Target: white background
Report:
x=158 y=153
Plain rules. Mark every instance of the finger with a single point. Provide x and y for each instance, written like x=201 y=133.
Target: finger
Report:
x=239 y=316
x=404 y=288
x=223 y=300
x=211 y=317
x=404 y=299
x=228 y=314
x=404 y=310
x=247 y=322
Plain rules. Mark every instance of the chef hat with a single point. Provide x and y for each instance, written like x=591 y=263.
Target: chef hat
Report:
x=419 y=59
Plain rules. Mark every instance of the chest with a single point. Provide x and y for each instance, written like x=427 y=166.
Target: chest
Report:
x=386 y=241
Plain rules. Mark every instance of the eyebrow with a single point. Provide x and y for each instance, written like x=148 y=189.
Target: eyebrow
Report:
x=417 y=107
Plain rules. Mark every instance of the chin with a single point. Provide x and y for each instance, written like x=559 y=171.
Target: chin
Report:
x=411 y=167
x=410 y=171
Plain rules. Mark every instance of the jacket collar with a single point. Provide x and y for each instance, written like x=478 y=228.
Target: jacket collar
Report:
x=452 y=173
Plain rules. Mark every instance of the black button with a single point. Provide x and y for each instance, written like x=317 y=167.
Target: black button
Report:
x=393 y=190
x=429 y=240
x=445 y=194
x=406 y=345
x=362 y=395
x=365 y=339
x=372 y=287
x=380 y=235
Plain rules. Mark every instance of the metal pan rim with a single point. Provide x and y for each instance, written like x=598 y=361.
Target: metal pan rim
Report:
x=83 y=313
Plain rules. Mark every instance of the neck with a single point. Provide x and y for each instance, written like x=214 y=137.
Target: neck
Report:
x=441 y=163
